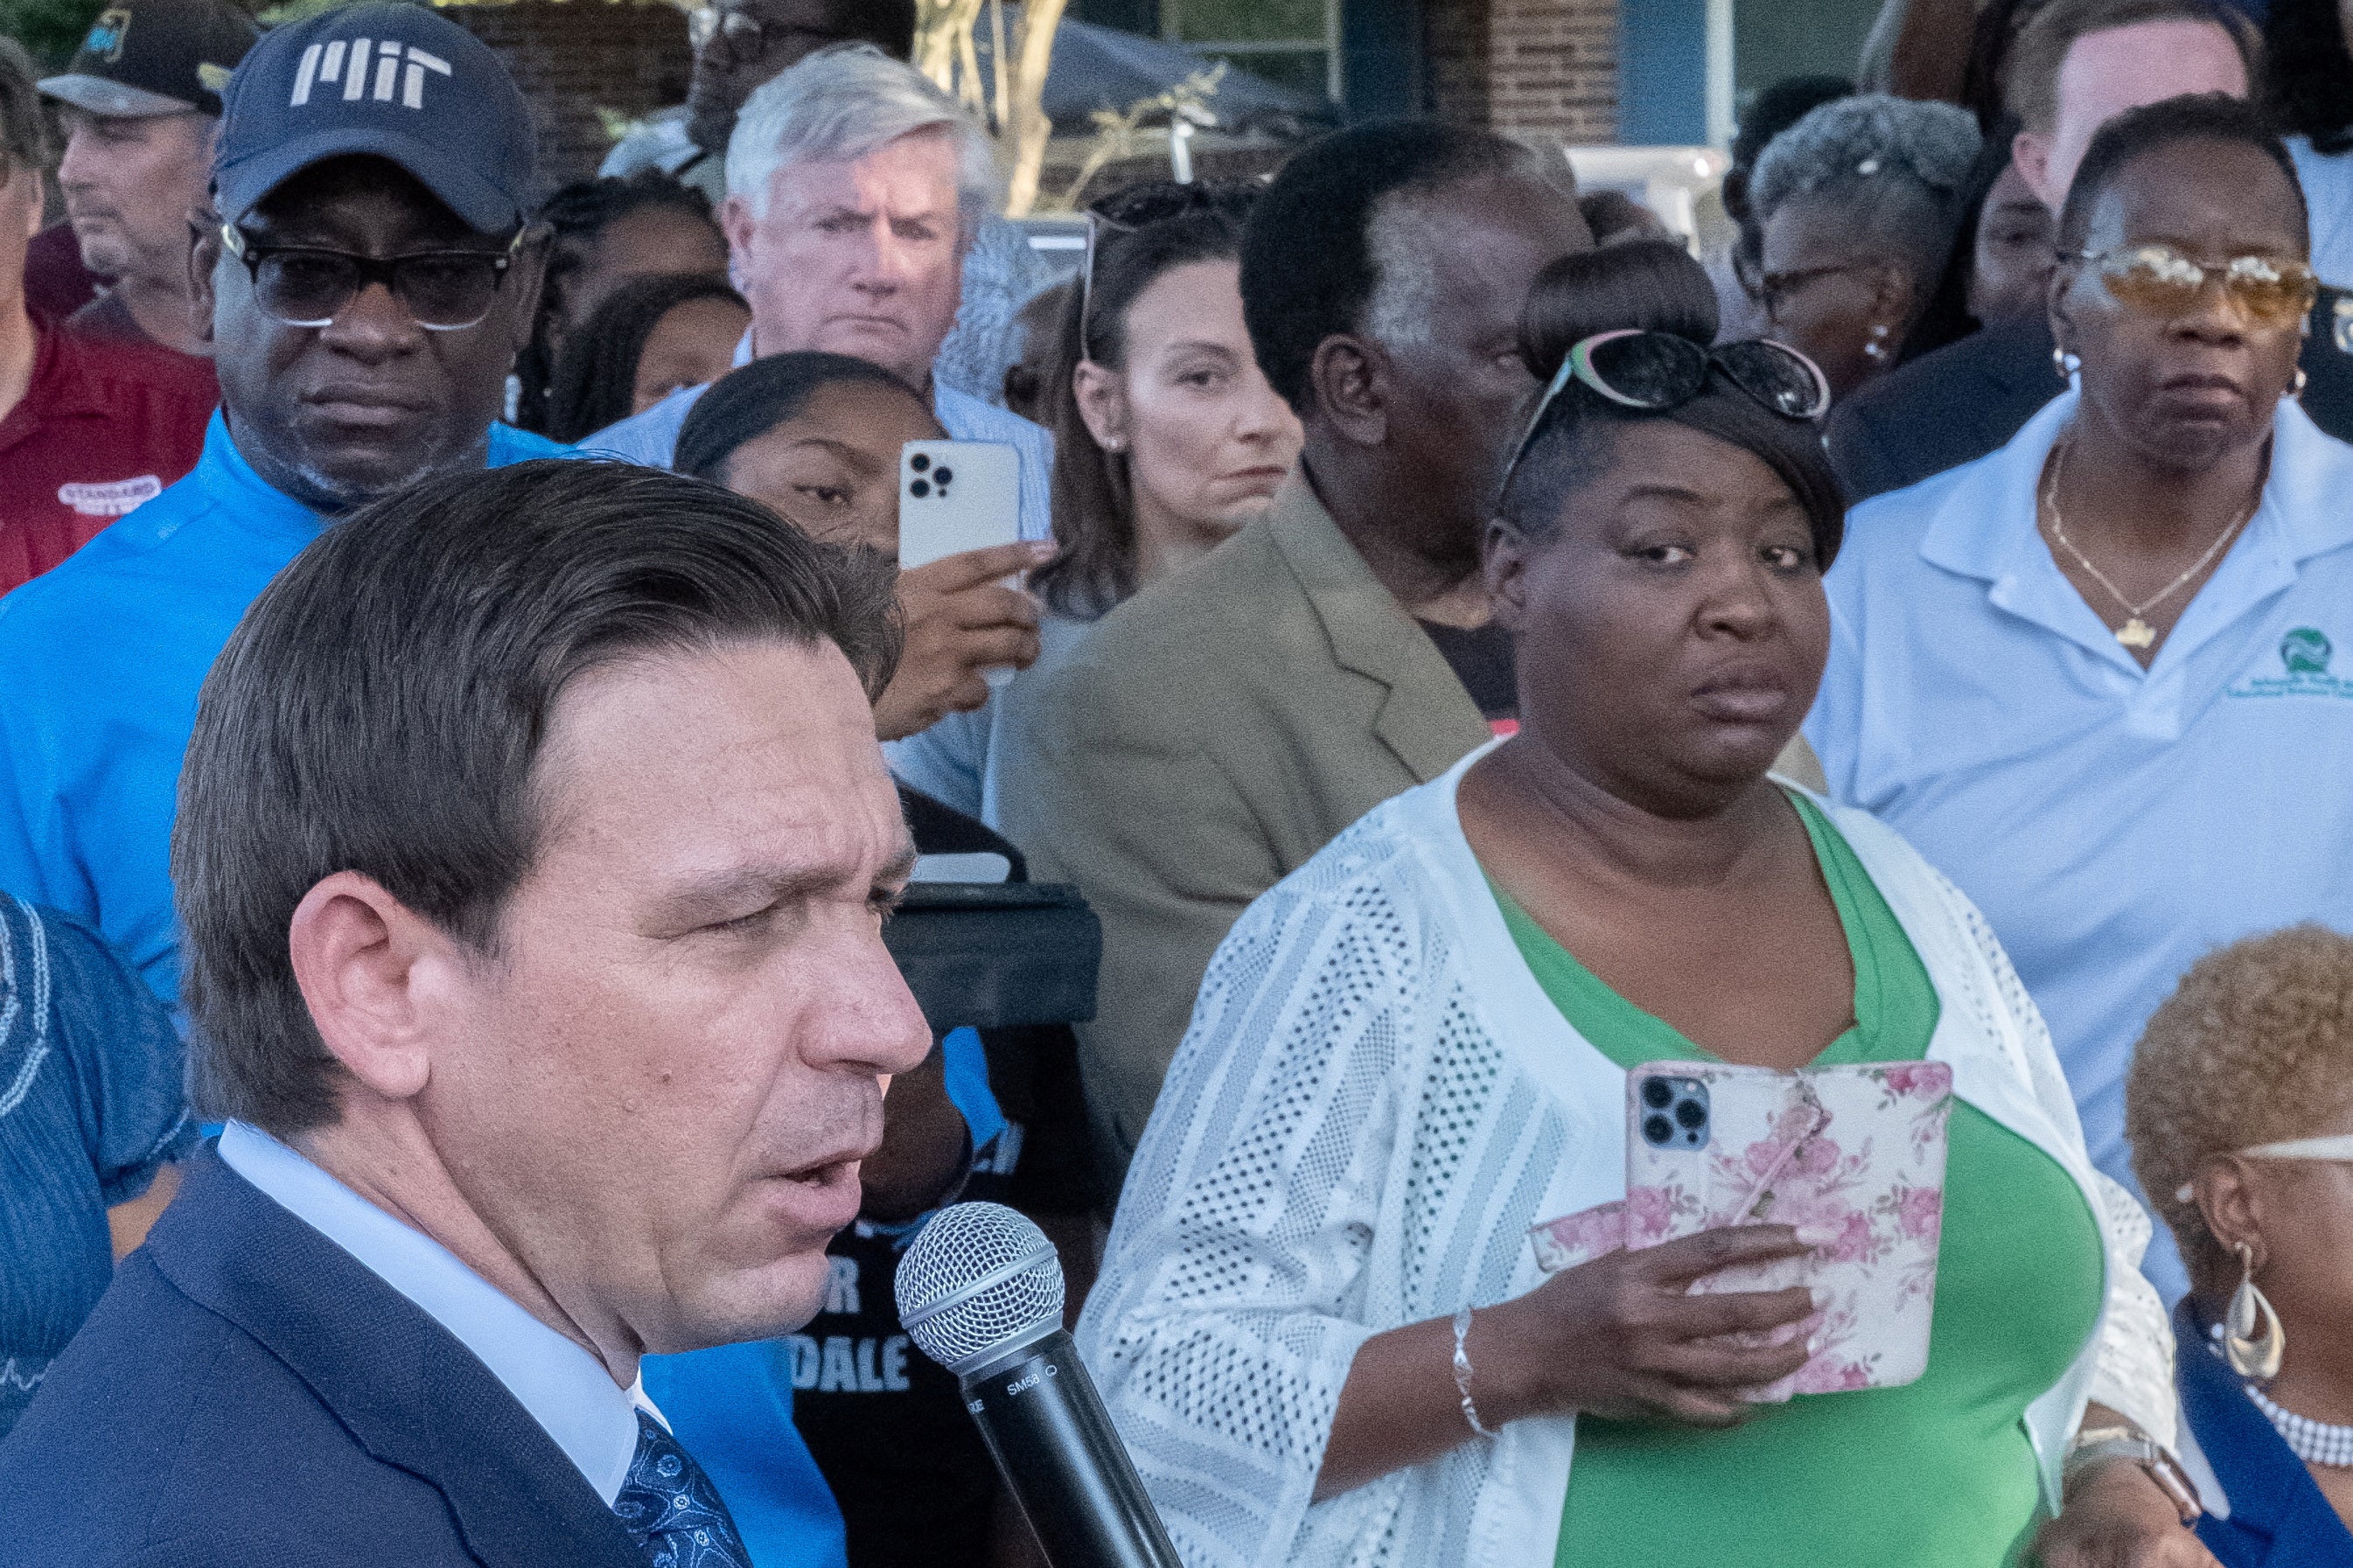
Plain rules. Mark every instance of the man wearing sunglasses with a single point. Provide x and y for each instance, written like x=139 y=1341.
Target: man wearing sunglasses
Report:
x=367 y=278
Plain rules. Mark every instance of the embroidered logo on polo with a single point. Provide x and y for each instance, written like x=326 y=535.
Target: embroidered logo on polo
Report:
x=107 y=35
x=396 y=69
x=111 y=497
x=2305 y=651
x=2303 y=654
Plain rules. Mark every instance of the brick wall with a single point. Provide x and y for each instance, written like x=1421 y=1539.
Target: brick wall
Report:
x=572 y=58
x=1546 y=69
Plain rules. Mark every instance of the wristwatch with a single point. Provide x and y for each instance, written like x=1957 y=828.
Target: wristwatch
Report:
x=2098 y=1445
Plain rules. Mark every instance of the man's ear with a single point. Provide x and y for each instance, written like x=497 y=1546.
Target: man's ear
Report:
x=203 y=256
x=376 y=977
x=736 y=222
x=2030 y=151
x=1350 y=375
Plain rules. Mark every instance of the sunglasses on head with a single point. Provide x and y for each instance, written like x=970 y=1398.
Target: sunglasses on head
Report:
x=1659 y=371
x=2156 y=279
x=1131 y=207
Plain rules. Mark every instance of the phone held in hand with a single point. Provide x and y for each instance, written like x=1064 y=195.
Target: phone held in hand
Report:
x=955 y=495
x=1854 y=1150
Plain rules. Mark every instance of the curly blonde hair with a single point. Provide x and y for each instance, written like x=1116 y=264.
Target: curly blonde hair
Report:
x=2256 y=1046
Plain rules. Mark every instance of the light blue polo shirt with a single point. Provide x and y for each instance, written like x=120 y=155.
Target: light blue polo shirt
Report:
x=651 y=439
x=2114 y=825
x=100 y=659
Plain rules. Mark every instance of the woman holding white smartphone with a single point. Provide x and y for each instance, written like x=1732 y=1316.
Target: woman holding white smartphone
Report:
x=1320 y=1324
x=819 y=438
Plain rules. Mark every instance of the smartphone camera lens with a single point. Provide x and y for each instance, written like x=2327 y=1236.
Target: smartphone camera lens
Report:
x=944 y=476
x=1658 y=1128
x=1691 y=1113
x=920 y=463
x=1657 y=1094
x=919 y=489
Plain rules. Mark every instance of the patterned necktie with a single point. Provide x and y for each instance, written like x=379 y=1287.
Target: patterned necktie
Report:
x=672 y=1510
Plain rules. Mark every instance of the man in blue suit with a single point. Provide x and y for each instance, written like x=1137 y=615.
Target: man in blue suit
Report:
x=532 y=847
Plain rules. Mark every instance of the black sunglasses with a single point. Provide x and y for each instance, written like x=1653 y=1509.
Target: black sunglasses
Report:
x=1657 y=371
x=306 y=285
x=1131 y=207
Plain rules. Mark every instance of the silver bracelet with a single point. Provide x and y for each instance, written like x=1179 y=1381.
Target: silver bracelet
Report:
x=1462 y=1372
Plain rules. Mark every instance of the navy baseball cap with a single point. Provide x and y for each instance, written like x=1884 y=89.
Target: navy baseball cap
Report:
x=145 y=58
x=382 y=78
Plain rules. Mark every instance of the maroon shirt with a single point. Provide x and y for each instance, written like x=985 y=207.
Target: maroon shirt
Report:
x=102 y=428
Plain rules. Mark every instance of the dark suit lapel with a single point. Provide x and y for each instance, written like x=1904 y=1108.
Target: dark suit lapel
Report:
x=1428 y=720
x=409 y=1392
x=2271 y=1492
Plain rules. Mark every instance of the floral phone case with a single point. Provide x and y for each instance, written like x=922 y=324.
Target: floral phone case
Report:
x=1859 y=1148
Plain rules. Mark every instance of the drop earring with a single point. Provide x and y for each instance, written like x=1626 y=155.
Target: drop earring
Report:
x=1877 y=347
x=2252 y=1337
x=2295 y=387
x=2065 y=364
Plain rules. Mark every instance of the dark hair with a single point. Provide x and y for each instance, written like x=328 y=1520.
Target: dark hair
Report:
x=596 y=374
x=1658 y=288
x=1094 y=509
x=1945 y=318
x=2030 y=71
x=2308 y=74
x=24 y=127
x=577 y=216
x=1641 y=282
x=382 y=706
x=2195 y=117
x=751 y=400
x=1308 y=270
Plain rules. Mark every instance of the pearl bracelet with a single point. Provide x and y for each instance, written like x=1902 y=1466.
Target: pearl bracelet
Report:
x=1462 y=1372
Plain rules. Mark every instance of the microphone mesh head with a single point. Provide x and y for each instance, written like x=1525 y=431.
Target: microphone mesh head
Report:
x=978 y=1278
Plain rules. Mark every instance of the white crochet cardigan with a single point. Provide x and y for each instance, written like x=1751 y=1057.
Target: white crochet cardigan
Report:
x=1374 y=1103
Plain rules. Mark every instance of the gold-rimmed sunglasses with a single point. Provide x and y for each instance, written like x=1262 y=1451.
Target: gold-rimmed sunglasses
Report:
x=2158 y=279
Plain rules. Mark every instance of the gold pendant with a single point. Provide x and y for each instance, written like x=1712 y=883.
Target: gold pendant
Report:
x=2137 y=633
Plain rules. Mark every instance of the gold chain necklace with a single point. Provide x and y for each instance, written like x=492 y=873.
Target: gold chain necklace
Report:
x=2136 y=632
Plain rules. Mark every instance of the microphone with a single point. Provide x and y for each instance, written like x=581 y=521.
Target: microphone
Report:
x=980 y=1292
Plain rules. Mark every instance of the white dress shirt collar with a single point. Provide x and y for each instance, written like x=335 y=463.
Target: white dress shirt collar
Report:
x=567 y=1391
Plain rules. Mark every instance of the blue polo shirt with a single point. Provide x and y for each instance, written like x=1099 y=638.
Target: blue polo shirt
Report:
x=2114 y=825
x=101 y=660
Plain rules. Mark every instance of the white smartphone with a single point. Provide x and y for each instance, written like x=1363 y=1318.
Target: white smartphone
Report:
x=955 y=495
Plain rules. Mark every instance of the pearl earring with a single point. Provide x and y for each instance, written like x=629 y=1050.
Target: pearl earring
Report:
x=2065 y=364
x=2295 y=389
x=1877 y=347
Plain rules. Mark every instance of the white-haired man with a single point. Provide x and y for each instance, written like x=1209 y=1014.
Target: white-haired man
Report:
x=854 y=187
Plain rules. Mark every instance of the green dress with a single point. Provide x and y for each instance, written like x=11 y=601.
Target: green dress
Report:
x=1936 y=1474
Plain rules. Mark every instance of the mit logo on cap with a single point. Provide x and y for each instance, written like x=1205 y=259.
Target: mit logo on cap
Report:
x=323 y=64
x=376 y=78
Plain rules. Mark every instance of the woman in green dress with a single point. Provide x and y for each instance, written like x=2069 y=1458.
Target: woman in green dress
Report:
x=1319 y=1324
